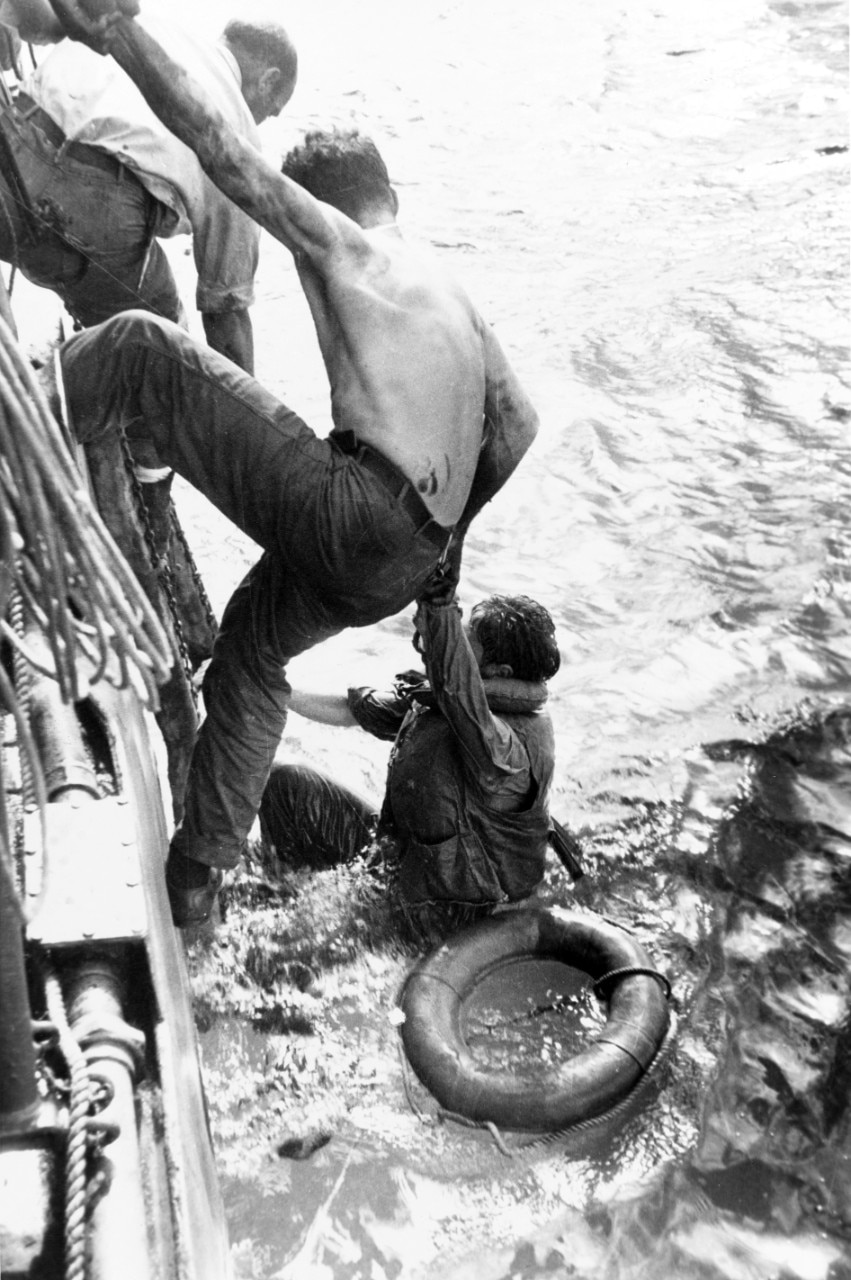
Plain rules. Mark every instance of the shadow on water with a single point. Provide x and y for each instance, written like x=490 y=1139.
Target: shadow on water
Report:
x=766 y=1190
x=776 y=1136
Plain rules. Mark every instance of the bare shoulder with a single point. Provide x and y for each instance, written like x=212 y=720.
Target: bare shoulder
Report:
x=419 y=279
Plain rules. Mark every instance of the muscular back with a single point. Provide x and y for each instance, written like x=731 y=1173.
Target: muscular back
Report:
x=413 y=369
x=405 y=356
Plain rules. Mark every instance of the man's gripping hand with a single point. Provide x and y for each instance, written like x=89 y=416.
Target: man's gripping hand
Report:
x=440 y=588
x=93 y=22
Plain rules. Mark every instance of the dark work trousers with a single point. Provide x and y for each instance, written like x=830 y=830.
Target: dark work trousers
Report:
x=75 y=220
x=312 y=820
x=341 y=546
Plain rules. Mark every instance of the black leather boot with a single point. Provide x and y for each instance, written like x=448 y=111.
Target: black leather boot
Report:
x=192 y=889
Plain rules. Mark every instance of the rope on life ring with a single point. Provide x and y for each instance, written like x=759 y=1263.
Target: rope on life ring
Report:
x=584 y=1086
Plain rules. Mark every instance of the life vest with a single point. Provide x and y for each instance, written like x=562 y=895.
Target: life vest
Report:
x=455 y=845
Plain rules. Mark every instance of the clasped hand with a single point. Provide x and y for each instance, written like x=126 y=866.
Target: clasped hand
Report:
x=440 y=587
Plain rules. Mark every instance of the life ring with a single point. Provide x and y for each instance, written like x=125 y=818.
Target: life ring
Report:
x=584 y=1086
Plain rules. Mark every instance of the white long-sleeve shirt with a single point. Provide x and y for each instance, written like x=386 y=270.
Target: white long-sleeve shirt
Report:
x=94 y=102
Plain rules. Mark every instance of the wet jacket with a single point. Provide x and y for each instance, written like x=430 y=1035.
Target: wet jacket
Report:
x=469 y=773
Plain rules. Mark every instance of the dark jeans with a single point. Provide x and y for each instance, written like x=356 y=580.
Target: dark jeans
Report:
x=91 y=239
x=340 y=548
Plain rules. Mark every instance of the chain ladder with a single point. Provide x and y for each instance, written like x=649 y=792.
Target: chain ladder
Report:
x=160 y=565
x=197 y=580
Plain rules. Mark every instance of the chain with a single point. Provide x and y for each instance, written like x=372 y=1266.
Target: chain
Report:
x=160 y=564
x=197 y=580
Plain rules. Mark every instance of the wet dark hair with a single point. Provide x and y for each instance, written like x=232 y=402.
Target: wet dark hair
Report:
x=517 y=631
x=341 y=167
x=267 y=43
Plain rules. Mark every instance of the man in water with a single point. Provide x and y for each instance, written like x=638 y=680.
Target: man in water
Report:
x=91 y=179
x=429 y=422
x=470 y=769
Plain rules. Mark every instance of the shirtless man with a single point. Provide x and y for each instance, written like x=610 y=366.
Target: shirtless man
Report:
x=429 y=421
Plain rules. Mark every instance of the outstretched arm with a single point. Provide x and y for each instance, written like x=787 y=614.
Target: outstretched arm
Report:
x=280 y=206
x=487 y=745
x=380 y=714
x=325 y=708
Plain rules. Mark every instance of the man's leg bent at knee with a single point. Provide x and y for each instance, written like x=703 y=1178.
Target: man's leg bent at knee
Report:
x=216 y=426
x=269 y=620
x=246 y=715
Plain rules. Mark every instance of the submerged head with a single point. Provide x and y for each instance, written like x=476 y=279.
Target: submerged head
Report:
x=268 y=64
x=514 y=636
x=343 y=168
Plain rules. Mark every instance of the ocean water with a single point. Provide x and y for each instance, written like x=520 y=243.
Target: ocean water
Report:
x=650 y=204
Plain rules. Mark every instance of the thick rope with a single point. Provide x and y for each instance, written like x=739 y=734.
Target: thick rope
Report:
x=630 y=971
x=76 y=1153
x=31 y=791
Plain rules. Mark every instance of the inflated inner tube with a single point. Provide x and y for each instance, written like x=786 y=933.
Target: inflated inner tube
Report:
x=580 y=1088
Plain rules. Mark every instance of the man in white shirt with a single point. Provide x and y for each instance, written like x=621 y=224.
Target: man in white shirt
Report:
x=90 y=179
x=32 y=20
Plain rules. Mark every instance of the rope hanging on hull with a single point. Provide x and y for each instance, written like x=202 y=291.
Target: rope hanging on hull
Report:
x=72 y=579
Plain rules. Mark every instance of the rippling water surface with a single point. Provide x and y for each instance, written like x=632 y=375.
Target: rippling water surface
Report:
x=649 y=202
